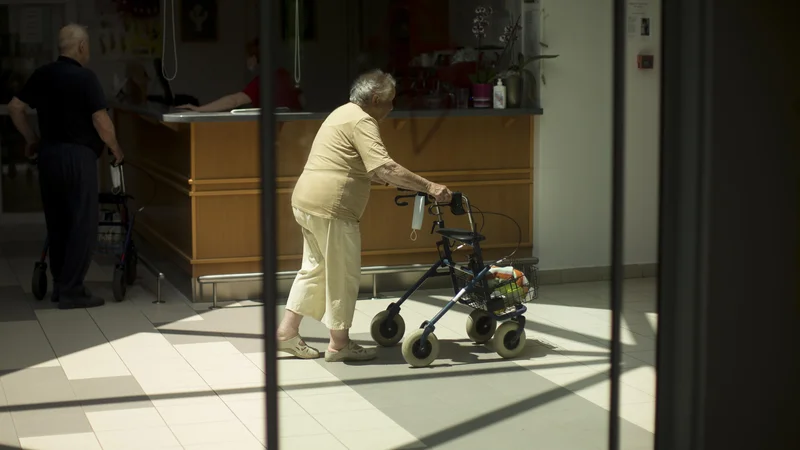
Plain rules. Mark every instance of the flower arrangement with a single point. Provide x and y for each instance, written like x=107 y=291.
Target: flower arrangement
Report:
x=516 y=60
x=485 y=71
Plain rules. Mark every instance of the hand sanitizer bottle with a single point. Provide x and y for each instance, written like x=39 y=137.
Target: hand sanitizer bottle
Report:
x=499 y=95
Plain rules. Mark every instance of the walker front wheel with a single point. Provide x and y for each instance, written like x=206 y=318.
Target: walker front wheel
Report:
x=39 y=280
x=387 y=333
x=119 y=285
x=480 y=326
x=506 y=342
x=418 y=355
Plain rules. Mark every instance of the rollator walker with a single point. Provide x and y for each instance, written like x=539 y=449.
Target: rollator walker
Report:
x=496 y=293
x=114 y=237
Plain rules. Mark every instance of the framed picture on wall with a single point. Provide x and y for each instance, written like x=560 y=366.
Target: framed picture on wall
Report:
x=308 y=19
x=199 y=20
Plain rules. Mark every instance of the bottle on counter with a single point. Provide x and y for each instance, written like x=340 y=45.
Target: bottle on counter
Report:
x=499 y=95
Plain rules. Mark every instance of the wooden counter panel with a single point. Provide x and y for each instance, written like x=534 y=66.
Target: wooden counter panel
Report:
x=167 y=213
x=459 y=143
x=385 y=227
x=147 y=140
x=226 y=150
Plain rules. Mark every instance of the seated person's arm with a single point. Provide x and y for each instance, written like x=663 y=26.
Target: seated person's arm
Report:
x=225 y=103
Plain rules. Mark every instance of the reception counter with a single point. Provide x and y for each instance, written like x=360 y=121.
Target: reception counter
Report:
x=197 y=175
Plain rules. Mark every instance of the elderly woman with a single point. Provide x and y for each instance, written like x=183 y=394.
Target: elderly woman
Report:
x=328 y=201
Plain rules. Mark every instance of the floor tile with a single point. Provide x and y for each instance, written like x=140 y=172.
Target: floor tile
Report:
x=15 y=305
x=333 y=403
x=361 y=420
x=111 y=393
x=149 y=438
x=38 y=387
x=213 y=409
x=212 y=433
x=7 y=275
x=8 y=434
x=78 y=441
x=316 y=442
x=51 y=421
x=31 y=346
x=125 y=419
x=250 y=444
x=390 y=439
x=300 y=425
x=81 y=347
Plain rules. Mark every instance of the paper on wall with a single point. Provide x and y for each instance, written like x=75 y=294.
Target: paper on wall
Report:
x=639 y=23
x=30 y=26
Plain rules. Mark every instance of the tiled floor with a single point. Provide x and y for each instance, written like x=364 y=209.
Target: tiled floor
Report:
x=135 y=375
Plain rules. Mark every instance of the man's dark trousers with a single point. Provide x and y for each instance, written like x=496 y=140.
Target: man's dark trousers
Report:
x=68 y=181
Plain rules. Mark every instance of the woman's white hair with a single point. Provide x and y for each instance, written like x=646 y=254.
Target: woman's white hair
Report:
x=371 y=84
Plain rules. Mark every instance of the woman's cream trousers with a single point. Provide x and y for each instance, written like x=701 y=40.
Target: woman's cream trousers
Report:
x=327 y=284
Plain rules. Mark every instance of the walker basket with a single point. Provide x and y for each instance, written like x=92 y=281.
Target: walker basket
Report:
x=495 y=294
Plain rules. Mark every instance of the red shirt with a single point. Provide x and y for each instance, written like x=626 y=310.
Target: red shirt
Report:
x=285 y=93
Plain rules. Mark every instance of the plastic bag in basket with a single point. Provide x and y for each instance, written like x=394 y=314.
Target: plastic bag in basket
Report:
x=507 y=279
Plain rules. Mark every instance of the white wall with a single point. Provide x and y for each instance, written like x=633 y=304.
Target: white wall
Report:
x=572 y=167
x=643 y=103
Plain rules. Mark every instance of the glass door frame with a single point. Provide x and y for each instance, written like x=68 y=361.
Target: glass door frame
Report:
x=70 y=15
x=270 y=40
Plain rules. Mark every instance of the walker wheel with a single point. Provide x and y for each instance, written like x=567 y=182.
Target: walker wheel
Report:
x=480 y=326
x=39 y=280
x=418 y=355
x=119 y=285
x=387 y=334
x=131 y=261
x=506 y=343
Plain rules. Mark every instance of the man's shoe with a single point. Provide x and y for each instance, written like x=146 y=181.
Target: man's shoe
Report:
x=80 y=302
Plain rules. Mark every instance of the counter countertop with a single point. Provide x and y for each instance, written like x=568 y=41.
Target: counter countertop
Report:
x=166 y=114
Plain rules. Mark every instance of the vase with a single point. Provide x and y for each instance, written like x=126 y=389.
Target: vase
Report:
x=514 y=92
x=482 y=95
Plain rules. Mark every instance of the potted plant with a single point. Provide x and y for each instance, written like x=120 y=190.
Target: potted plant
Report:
x=517 y=65
x=484 y=71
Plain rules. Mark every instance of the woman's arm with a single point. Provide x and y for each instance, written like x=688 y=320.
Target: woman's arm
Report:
x=225 y=103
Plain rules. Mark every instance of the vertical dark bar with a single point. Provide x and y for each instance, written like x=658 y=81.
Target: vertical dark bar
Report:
x=683 y=224
x=268 y=38
x=617 y=217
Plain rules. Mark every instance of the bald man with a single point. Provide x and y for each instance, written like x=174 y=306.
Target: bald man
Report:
x=74 y=127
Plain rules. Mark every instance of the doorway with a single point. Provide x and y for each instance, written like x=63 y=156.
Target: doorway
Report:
x=28 y=39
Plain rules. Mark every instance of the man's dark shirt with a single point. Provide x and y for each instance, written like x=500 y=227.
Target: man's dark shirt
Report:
x=65 y=95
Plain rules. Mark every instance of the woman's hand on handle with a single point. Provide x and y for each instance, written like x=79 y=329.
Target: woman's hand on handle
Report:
x=440 y=193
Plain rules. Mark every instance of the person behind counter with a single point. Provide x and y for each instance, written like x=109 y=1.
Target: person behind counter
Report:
x=287 y=96
x=328 y=201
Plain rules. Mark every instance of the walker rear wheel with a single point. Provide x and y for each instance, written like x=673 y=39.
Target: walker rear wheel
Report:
x=131 y=262
x=480 y=326
x=506 y=342
x=418 y=355
x=387 y=333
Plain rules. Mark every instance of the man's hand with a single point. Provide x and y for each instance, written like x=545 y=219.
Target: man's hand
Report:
x=118 y=155
x=31 y=149
x=440 y=193
x=189 y=107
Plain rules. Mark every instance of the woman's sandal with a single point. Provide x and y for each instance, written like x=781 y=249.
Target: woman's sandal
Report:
x=352 y=352
x=297 y=347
